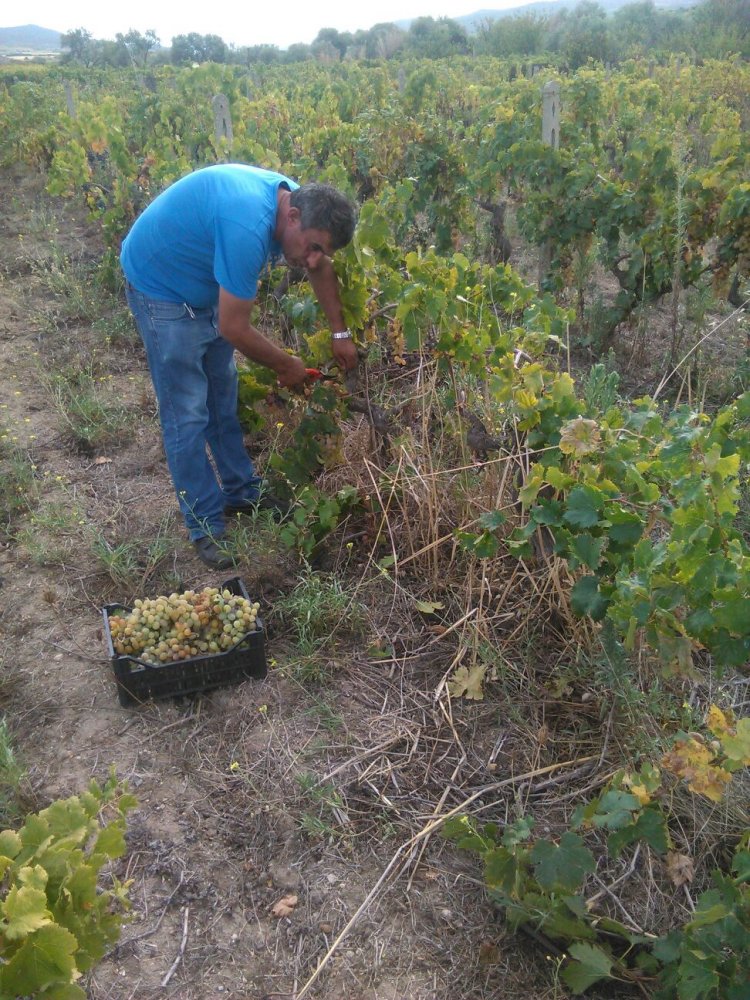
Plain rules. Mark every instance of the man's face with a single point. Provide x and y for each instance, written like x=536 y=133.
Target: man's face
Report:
x=305 y=247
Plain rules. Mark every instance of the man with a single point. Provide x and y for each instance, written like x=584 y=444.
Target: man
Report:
x=192 y=262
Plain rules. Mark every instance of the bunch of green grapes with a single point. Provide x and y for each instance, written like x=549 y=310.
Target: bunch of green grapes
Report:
x=166 y=629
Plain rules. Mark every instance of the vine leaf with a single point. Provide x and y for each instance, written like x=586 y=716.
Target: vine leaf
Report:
x=651 y=826
x=741 y=865
x=644 y=784
x=616 y=809
x=698 y=976
x=586 y=550
x=44 y=959
x=692 y=760
x=500 y=869
x=735 y=737
x=584 y=504
x=587 y=599
x=467 y=683
x=718 y=722
x=25 y=910
x=589 y=965
x=580 y=437
x=564 y=865
x=10 y=844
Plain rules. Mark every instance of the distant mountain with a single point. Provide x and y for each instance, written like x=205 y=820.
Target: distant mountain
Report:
x=472 y=21
x=29 y=37
x=32 y=38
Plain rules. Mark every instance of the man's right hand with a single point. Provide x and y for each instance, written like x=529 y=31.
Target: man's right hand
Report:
x=291 y=372
x=235 y=326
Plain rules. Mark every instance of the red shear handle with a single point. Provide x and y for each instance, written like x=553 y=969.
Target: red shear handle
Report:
x=314 y=373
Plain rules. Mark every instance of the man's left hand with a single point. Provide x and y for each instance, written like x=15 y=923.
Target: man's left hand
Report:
x=345 y=353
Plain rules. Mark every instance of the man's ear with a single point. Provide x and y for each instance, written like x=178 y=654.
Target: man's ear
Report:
x=293 y=215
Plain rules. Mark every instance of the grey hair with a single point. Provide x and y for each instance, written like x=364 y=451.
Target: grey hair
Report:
x=323 y=207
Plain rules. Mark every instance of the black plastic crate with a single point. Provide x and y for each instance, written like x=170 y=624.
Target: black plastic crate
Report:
x=138 y=681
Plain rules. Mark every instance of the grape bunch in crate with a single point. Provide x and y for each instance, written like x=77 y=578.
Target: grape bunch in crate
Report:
x=166 y=629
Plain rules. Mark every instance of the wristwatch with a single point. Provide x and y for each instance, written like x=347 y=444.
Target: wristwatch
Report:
x=342 y=335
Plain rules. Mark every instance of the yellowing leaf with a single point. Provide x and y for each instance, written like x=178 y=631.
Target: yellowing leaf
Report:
x=717 y=722
x=640 y=791
x=710 y=782
x=25 y=910
x=563 y=388
x=429 y=607
x=580 y=437
x=467 y=683
x=319 y=346
x=729 y=466
x=525 y=400
x=734 y=736
x=10 y=843
x=692 y=761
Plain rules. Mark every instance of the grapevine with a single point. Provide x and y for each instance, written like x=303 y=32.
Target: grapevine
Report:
x=167 y=629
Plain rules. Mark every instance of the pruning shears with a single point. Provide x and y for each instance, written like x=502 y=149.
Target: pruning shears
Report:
x=324 y=374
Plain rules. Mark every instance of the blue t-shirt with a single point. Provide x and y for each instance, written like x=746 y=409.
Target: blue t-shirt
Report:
x=211 y=228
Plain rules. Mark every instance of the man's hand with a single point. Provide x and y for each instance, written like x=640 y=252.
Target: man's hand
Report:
x=235 y=326
x=291 y=372
x=345 y=353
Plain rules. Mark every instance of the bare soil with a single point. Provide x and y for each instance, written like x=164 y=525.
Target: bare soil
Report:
x=227 y=822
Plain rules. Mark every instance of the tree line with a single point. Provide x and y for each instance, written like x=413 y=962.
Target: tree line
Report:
x=586 y=32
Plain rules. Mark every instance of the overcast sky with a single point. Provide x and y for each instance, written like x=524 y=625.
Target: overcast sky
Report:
x=248 y=23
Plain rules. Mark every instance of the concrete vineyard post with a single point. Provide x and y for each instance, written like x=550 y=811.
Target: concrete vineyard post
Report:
x=69 y=100
x=222 y=121
x=550 y=136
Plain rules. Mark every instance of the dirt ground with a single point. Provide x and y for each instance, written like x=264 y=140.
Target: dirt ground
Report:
x=253 y=793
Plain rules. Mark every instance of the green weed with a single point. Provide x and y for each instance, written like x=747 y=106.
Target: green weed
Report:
x=94 y=420
x=324 y=821
x=71 y=283
x=319 y=606
x=325 y=714
x=52 y=532
x=253 y=535
x=118 y=559
x=128 y=563
x=11 y=775
x=18 y=490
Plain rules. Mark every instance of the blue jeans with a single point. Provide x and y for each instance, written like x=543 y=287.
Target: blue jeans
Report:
x=195 y=378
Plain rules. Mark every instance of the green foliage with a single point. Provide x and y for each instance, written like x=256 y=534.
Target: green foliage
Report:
x=315 y=516
x=600 y=389
x=56 y=921
x=674 y=477
x=710 y=956
x=542 y=883
x=304 y=456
